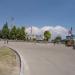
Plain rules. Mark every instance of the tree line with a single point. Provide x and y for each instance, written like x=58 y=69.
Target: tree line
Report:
x=13 y=33
x=18 y=33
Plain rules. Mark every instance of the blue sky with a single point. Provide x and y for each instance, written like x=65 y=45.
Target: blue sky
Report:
x=38 y=12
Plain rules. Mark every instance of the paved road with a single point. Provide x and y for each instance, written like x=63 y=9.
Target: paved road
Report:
x=46 y=59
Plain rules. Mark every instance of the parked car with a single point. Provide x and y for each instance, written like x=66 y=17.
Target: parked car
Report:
x=69 y=41
x=74 y=45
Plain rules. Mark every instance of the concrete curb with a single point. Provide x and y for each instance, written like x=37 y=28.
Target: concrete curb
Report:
x=21 y=68
x=24 y=69
x=19 y=59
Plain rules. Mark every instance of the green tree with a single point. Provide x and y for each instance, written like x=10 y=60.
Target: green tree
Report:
x=0 y=34
x=21 y=33
x=18 y=33
x=13 y=33
x=47 y=35
x=58 y=39
x=5 y=31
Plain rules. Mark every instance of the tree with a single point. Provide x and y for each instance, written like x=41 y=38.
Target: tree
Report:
x=0 y=34
x=21 y=33
x=47 y=35
x=5 y=31
x=18 y=33
x=13 y=33
x=58 y=39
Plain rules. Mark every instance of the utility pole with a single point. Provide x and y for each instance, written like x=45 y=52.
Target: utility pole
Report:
x=31 y=32
x=11 y=19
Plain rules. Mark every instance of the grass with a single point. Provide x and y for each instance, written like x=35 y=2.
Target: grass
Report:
x=8 y=62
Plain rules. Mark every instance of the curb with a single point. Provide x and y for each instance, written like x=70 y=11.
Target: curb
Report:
x=18 y=56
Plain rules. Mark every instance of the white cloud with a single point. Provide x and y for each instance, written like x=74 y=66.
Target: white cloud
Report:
x=57 y=30
x=33 y=29
x=60 y=29
x=45 y=28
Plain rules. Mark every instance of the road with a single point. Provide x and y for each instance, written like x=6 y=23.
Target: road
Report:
x=45 y=59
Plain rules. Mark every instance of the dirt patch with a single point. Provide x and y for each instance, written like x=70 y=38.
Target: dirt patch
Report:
x=9 y=62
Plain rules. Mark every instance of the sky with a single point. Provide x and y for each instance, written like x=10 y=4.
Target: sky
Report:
x=38 y=12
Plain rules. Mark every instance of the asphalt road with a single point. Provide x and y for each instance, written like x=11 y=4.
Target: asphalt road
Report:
x=45 y=59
